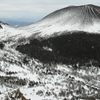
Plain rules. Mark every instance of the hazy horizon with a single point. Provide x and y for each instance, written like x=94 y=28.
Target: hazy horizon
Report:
x=33 y=11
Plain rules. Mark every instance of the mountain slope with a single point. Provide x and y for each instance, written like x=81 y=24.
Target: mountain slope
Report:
x=67 y=35
x=78 y=47
x=9 y=33
x=73 y=18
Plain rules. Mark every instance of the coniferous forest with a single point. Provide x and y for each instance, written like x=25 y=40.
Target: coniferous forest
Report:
x=78 y=47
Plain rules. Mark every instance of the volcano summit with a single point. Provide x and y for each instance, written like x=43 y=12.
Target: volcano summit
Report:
x=73 y=18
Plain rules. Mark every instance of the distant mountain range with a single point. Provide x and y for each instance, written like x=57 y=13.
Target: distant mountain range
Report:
x=17 y=24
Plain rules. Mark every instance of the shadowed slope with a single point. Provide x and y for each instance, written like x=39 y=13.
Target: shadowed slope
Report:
x=78 y=47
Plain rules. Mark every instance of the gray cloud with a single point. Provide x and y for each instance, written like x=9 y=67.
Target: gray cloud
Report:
x=36 y=9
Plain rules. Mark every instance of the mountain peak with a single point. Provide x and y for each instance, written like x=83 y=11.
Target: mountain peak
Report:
x=85 y=6
x=70 y=19
x=89 y=5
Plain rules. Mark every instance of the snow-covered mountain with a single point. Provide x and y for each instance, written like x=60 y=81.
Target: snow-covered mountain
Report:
x=9 y=33
x=57 y=58
x=72 y=18
x=71 y=33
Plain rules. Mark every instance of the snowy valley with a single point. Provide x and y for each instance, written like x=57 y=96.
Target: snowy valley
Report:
x=22 y=78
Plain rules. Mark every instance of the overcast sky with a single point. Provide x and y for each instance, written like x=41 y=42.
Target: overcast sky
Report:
x=34 y=10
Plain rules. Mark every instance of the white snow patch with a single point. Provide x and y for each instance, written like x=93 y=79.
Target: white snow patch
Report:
x=47 y=48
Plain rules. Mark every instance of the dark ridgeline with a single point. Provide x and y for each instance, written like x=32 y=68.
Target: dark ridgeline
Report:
x=1 y=27
x=1 y=23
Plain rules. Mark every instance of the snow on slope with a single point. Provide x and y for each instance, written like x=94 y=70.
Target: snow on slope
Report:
x=24 y=78
x=7 y=32
x=72 y=18
x=61 y=82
